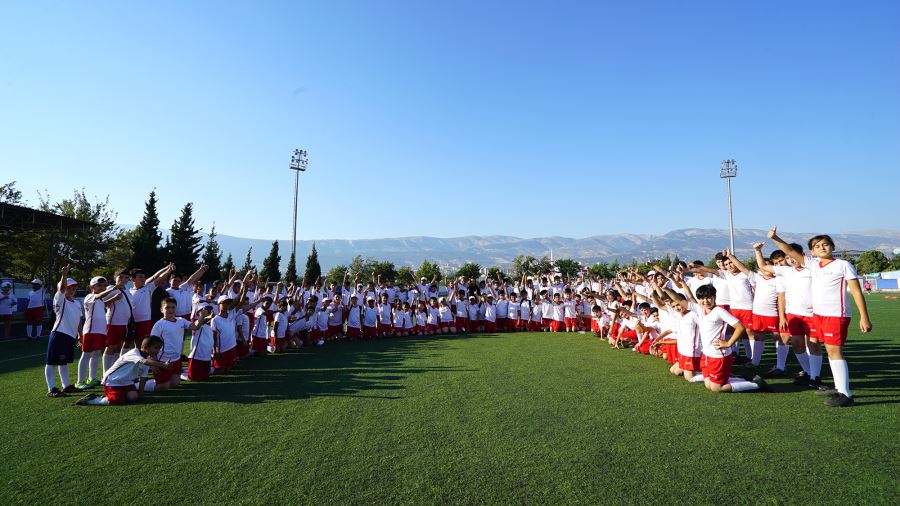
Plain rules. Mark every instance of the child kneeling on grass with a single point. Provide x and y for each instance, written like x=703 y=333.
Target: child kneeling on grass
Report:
x=118 y=380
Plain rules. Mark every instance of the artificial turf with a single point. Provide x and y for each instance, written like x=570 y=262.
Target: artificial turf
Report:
x=509 y=418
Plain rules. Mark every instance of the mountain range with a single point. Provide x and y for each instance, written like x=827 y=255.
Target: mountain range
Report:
x=688 y=244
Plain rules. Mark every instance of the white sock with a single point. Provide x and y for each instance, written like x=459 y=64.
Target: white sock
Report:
x=781 y=355
x=40 y=328
x=756 y=348
x=748 y=351
x=28 y=330
x=741 y=385
x=99 y=401
x=64 y=375
x=697 y=379
x=50 y=376
x=841 y=376
x=150 y=386
x=815 y=366
x=108 y=361
x=92 y=365
x=803 y=358
x=83 y=364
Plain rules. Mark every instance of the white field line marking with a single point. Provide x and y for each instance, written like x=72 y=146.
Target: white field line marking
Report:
x=23 y=356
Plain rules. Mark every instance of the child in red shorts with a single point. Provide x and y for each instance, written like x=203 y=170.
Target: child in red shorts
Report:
x=118 y=380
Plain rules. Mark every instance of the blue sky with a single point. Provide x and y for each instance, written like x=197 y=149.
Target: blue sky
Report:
x=515 y=118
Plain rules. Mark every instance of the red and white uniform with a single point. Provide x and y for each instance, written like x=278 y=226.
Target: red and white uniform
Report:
x=183 y=296
x=765 y=302
x=712 y=325
x=94 y=329
x=830 y=298
x=172 y=334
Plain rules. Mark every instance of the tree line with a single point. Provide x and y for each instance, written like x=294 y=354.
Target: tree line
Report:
x=103 y=247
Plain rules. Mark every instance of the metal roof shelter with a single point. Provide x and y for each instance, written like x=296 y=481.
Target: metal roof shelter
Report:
x=24 y=219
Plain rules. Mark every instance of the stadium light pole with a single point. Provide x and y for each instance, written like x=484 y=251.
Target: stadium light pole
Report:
x=728 y=171
x=298 y=165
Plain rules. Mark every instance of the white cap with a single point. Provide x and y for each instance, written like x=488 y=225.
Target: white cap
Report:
x=36 y=281
x=370 y=298
x=6 y=284
x=222 y=298
x=204 y=305
x=236 y=282
x=71 y=282
x=97 y=279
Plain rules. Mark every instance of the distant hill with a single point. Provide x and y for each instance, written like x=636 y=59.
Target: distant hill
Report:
x=689 y=244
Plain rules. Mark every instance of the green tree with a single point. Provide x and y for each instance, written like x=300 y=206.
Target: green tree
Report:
x=290 y=275
x=146 y=251
x=271 y=263
x=494 y=272
x=751 y=264
x=361 y=268
x=119 y=254
x=336 y=275
x=567 y=267
x=543 y=266
x=228 y=265
x=212 y=257
x=313 y=269
x=523 y=264
x=9 y=194
x=84 y=248
x=470 y=270
x=385 y=271
x=895 y=263
x=872 y=261
x=405 y=275
x=600 y=269
x=185 y=243
x=248 y=261
x=428 y=271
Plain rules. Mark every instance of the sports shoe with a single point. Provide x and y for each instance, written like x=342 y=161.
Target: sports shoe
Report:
x=71 y=390
x=826 y=391
x=94 y=382
x=801 y=379
x=774 y=373
x=321 y=342
x=815 y=383
x=761 y=383
x=839 y=401
x=55 y=392
x=84 y=400
x=81 y=386
x=739 y=360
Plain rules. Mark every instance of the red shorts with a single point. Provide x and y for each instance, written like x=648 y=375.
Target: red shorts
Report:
x=224 y=359
x=644 y=348
x=34 y=315
x=115 y=335
x=629 y=334
x=745 y=316
x=718 y=369
x=278 y=342
x=501 y=323
x=765 y=323
x=118 y=395
x=672 y=355
x=384 y=328
x=555 y=326
x=462 y=322
x=595 y=326
x=445 y=325
x=687 y=363
x=370 y=332
x=333 y=330
x=397 y=331
x=523 y=324
x=831 y=330
x=419 y=329
x=353 y=332
x=534 y=326
x=490 y=327
x=800 y=325
x=260 y=344
x=92 y=342
x=198 y=370
x=545 y=323
x=162 y=375
x=571 y=322
x=142 y=330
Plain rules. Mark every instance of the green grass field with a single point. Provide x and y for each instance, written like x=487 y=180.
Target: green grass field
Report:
x=513 y=418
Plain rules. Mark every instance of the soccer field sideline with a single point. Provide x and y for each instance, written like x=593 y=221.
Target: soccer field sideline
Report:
x=532 y=418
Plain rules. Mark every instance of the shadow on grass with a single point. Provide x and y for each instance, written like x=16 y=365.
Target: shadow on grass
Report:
x=361 y=369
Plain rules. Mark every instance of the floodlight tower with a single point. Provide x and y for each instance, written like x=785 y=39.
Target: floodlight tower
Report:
x=728 y=171
x=298 y=165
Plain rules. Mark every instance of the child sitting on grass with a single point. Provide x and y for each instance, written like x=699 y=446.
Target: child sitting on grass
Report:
x=118 y=380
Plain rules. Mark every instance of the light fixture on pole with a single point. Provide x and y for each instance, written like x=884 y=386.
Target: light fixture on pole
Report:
x=728 y=171
x=298 y=165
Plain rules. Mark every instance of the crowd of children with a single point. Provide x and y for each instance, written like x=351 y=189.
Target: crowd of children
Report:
x=698 y=319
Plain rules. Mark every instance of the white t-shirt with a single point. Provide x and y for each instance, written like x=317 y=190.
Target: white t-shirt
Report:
x=694 y=283
x=353 y=317
x=712 y=326
x=740 y=291
x=140 y=301
x=797 y=290
x=128 y=367
x=490 y=311
x=829 y=286
x=94 y=314
x=202 y=344
x=68 y=315
x=7 y=303
x=183 y=297
x=765 y=294
x=36 y=298
x=687 y=332
x=172 y=334
x=226 y=331
x=723 y=296
x=119 y=312
x=370 y=316
x=446 y=314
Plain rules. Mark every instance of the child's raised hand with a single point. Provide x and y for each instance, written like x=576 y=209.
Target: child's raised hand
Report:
x=758 y=246
x=772 y=233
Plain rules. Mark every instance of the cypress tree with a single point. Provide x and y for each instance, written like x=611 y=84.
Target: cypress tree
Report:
x=185 y=242
x=313 y=269
x=271 y=264
x=146 y=252
x=248 y=262
x=212 y=257
x=290 y=275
